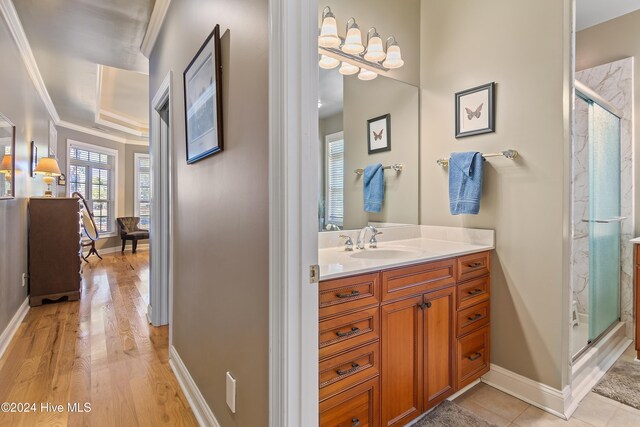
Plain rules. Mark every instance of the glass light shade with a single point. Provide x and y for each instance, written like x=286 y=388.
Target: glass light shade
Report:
x=329 y=32
x=348 y=70
x=353 y=43
x=375 y=50
x=328 y=63
x=394 y=57
x=48 y=166
x=5 y=166
x=367 y=75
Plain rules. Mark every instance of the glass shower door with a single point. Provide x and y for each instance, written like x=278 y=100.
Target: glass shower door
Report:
x=604 y=220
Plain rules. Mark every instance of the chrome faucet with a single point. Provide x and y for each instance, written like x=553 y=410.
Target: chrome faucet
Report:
x=373 y=242
x=348 y=243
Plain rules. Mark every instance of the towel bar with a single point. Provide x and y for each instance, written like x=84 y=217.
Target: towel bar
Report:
x=509 y=154
x=397 y=167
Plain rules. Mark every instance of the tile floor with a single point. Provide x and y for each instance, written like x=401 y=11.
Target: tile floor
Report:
x=502 y=409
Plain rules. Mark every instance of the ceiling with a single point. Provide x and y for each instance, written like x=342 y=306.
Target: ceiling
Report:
x=70 y=38
x=331 y=92
x=594 y=12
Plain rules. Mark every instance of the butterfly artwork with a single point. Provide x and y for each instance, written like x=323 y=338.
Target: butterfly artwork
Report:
x=477 y=113
x=379 y=130
x=377 y=136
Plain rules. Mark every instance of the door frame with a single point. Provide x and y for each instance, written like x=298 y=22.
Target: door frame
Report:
x=293 y=207
x=160 y=311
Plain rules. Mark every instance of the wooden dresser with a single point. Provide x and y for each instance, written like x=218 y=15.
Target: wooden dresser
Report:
x=395 y=343
x=54 y=250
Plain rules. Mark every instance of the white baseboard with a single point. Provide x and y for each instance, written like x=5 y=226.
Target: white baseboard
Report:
x=199 y=406
x=547 y=398
x=464 y=390
x=12 y=327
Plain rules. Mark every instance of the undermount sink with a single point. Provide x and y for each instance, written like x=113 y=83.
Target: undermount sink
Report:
x=382 y=254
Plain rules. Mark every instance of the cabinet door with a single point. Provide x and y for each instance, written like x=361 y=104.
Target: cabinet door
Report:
x=439 y=346
x=401 y=373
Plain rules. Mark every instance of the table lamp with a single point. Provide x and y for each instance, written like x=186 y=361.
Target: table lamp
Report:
x=6 y=167
x=48 y=166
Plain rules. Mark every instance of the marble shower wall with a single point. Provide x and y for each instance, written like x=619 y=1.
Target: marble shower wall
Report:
x=614 y=82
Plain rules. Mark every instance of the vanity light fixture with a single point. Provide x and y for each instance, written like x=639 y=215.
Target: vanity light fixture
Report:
x=375 y=50
x=394 y=55
x=328 y=63
x=329 y=30
x=348 y=69
x=367 y=75
x=353 y=43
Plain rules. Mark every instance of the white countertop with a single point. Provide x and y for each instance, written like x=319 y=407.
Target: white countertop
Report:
x=410 y=245
x=636 y=240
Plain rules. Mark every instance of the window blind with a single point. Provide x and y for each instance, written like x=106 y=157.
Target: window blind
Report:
x=335 y=182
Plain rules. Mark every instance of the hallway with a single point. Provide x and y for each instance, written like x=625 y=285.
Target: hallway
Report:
x=99 y=350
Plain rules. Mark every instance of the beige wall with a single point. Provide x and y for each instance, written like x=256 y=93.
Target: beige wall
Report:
x=390 y=19
x=524 y=48
x=607 y=42
x=20 y=102
x=221 y=234
x=364 y=101
x=125 y=172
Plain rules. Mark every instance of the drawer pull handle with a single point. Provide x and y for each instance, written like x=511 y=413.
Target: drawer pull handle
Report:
x=474 y=356
x=353 y=293
x=356 y=422
x=354 y=366
x=475 y=292
x=474 y=317
x=424 y=305
x=475 y=265
x=346 y=334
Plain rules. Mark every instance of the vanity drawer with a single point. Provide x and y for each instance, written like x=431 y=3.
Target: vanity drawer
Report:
x=472 y=266
x=417 y=279
x=473 y=292
x=473 y=318
x=348 y=293
x=345 y=370
x=473 y=356
x=341 y=333
x=357 y=406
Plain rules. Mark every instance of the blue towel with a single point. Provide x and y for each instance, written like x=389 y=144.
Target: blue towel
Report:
x=373 y=188
x=465 y=183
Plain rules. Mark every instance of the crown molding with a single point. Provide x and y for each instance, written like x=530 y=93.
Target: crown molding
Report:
x=155 y=25
x=10 y=15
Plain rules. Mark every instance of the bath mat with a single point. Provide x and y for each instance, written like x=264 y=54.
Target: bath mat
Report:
x=621 y=383
x=448 y=414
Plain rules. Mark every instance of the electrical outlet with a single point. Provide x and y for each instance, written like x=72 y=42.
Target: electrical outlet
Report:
x=24 y=279
x=231 y=392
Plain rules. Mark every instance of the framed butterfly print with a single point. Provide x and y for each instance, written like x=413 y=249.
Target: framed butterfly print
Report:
x=379 y=134
x=475 y=111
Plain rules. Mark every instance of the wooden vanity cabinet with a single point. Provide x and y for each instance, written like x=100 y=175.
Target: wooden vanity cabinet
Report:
x=433 y=336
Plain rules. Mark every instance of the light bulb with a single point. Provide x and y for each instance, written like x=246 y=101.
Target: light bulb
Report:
x=348 y=70
x=367 y=75
x=328 y=63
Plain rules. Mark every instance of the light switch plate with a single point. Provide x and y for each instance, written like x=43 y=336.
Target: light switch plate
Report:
x=231 y=392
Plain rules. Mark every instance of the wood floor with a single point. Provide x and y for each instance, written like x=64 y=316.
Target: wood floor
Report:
x=99 y=350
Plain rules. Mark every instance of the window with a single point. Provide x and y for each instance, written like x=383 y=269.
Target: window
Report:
x=334 y=194
x=92 y=173
x=142 y=202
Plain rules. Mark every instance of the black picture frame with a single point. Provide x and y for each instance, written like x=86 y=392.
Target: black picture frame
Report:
x=203 y=109
x=481 y=96
x=34 y=159
x=383 y=123
x=62 y=180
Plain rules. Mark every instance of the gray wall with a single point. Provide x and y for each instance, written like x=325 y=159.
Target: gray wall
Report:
x=20 y=102
x=126 y=179
x=465 y=44
x=220 y=206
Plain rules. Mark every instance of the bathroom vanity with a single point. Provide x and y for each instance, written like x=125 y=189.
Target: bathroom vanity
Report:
x=403 y=326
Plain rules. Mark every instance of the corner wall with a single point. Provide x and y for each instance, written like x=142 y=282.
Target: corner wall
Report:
x=466 y=44
x=221 y=212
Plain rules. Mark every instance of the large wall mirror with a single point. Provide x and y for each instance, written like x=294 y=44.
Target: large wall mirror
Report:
x=7 y=151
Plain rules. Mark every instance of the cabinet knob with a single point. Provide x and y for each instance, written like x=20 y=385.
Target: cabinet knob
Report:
x=356 y=422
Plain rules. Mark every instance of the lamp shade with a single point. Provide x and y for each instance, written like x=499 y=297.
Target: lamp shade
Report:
x=367 y=75
x=328 y=63
x=329 y=31
x=375 y=50
x=48 y=166
x=7 y=163
x=348 y=70
x=394 y=57
x=353 y=43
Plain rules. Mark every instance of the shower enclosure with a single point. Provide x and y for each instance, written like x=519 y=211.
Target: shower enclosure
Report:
x=597 y=218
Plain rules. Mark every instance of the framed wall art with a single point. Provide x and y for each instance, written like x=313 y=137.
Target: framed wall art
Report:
x=475 y=113
x=379 y=134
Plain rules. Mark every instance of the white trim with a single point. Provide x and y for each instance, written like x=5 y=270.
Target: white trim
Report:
x=161 y=272
x=90 y=131
x=124 y=119
x=293 y=206
x=99 y=71
x=196 y=400
x=136 y=181
x=158 y=15
x=535 y=393
x=17 y=31
x=11 y=329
